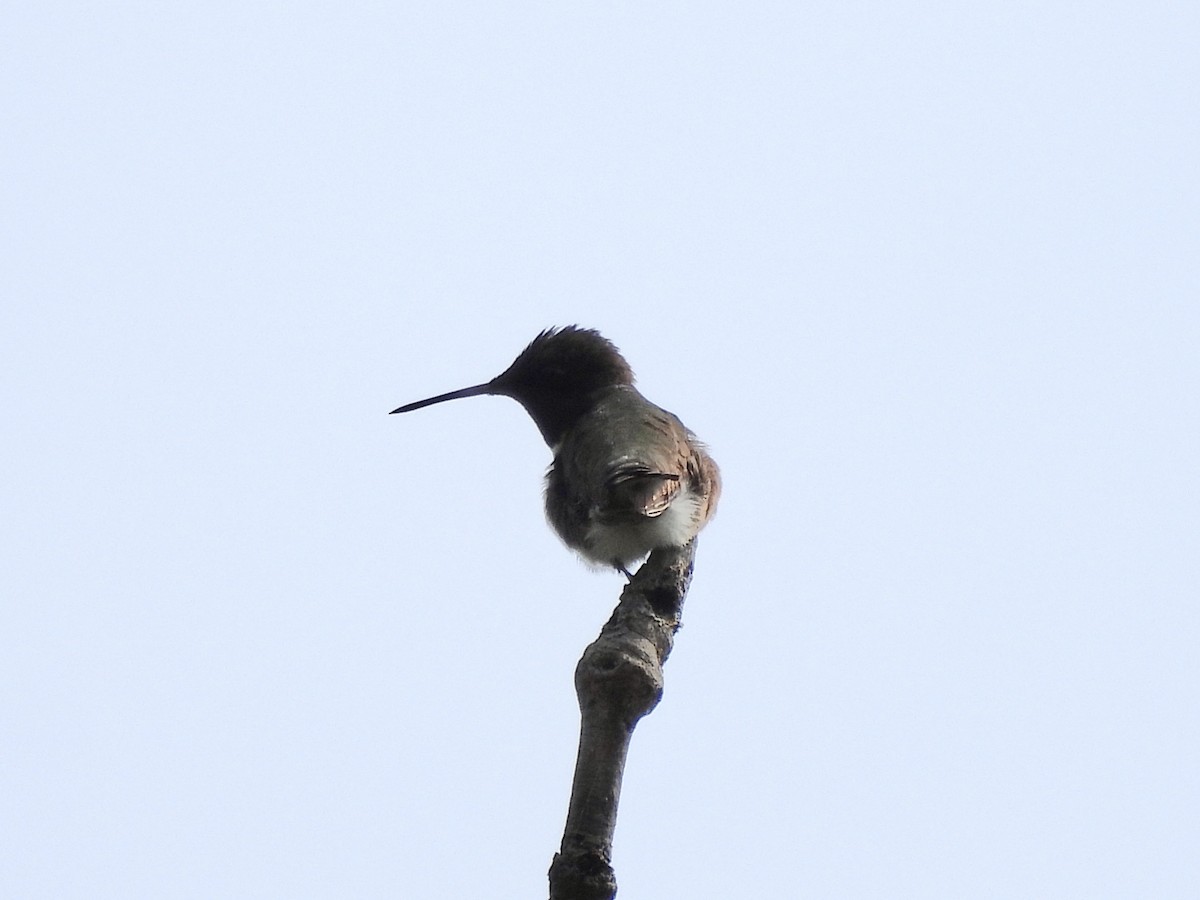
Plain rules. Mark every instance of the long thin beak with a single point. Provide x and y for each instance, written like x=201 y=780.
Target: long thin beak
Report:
x=453 y=395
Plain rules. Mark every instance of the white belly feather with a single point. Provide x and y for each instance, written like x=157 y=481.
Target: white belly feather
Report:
x=628 y=542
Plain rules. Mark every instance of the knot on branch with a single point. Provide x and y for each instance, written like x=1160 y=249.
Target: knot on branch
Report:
x=620 y=676
x=580 y=873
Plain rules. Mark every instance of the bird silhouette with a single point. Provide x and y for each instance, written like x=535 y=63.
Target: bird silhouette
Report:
x=627 y=476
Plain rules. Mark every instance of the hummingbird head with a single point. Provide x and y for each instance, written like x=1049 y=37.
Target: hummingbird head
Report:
x=558 y=375
x=556 y=378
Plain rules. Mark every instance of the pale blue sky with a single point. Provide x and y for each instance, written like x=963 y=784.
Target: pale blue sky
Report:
x=924 y=275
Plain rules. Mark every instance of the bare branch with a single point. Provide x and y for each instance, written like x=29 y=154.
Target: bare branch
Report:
x=619 y=679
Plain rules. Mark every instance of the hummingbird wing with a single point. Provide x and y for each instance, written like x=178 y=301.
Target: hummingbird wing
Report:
x=647 y=464
x=615 y=489
x=637 y=488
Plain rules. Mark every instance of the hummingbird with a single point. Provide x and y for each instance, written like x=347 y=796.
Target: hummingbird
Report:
x=627 y=476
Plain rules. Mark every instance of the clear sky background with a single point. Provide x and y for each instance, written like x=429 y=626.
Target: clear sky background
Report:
x=925 y=277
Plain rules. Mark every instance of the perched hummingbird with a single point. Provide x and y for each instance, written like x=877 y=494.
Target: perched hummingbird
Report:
x=627 y=476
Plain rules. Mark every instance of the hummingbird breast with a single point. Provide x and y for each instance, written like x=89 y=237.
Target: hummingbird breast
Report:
x=627 y=478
